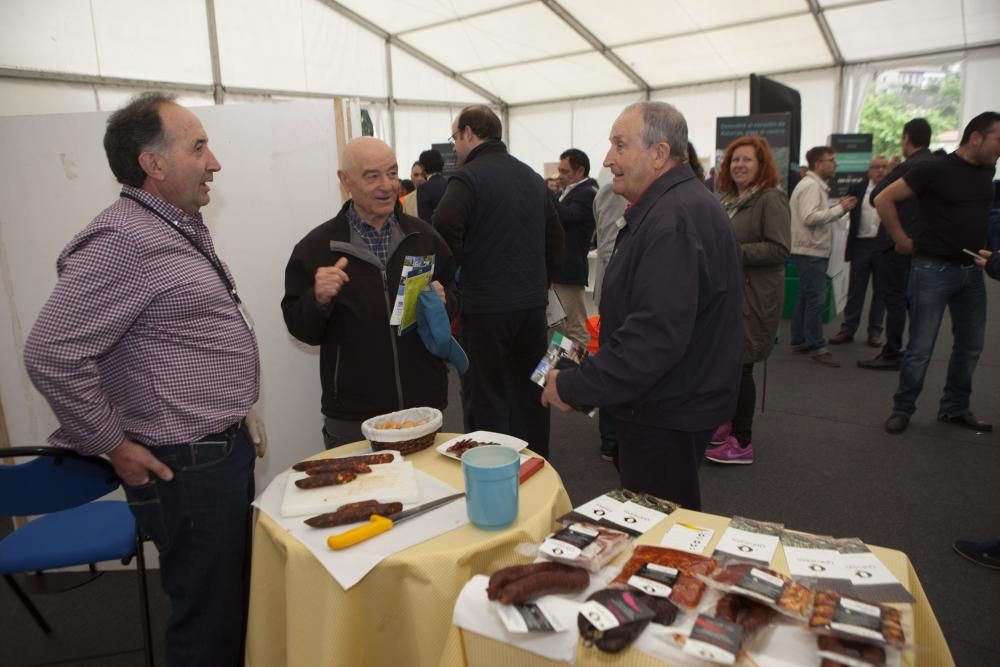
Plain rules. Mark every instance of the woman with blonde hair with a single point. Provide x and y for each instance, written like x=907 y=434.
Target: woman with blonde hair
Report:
x=748 y=186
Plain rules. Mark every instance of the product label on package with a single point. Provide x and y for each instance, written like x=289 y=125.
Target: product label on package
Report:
x=621 y=609
x=657 y=580
x=816 y=563
x=569 y=542
x=858 y=618
x=747 y=545
x=686 y=537
x=715 y=640
x=865 y=569
x=760 y=585
x=529 y=617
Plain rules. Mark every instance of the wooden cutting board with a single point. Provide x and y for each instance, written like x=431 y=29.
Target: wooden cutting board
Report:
x=386 y=483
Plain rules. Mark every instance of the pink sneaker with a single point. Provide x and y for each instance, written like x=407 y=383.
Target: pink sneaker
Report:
x=731 y=452
x=720 y=435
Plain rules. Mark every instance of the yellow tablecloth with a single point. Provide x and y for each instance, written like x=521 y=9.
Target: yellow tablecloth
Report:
x=400 y=613
x=468 y=648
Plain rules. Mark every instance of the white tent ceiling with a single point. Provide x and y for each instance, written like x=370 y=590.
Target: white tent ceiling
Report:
x=519 y=52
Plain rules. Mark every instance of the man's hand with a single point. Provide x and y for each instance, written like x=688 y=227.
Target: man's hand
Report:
x=848 y=202
x=329 y=280
x=258 y=435
x=983 y=256
x=134 y=464
x=439 y=288
x=550 y=394
x=904 y=246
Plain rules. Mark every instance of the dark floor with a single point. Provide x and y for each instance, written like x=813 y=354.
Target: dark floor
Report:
x=823 y=464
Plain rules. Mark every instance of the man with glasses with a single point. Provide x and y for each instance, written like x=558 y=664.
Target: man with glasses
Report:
x=812 y=238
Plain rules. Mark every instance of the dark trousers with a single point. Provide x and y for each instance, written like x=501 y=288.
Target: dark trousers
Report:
x=661 y=461
x=337 y=432
x=894 y=272
x=200 y=522
x=746 y=401
x=503 y=350
x=866 y=257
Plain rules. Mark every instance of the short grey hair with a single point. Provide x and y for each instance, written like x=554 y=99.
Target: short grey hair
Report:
x=662 y=122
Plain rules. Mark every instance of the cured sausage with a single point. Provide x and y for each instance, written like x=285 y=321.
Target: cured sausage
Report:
x=354 y=466
x=326 y=479
x=353 y=512
x=370 y=459
x=619 y=638
x=567 y=579
x=501 y=578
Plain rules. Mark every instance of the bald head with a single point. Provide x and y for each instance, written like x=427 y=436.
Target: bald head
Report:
x=369 y=172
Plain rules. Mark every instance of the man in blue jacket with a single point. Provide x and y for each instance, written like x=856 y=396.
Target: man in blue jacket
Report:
x=671 y=332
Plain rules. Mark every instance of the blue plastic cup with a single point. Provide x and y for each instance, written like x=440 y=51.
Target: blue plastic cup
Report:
x=491 y=486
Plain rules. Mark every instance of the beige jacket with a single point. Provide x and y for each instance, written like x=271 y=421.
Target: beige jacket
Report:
x=812 y=217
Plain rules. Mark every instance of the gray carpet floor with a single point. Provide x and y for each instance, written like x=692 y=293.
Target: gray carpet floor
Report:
x=823 y=464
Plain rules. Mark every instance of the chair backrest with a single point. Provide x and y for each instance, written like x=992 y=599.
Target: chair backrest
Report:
x=56 y=480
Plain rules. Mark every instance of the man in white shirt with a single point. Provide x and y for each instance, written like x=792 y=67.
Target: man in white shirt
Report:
x=864 y=249
x=812 y=237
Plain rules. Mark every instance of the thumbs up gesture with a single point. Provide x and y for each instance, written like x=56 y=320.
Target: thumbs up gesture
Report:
x=329 y=281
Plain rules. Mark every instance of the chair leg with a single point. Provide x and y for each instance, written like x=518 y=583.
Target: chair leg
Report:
x=28 y=604
x=140 y=568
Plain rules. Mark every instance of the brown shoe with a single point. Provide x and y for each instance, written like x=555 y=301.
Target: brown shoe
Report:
x=841 y=338
x=826 y=359
x=874 y=341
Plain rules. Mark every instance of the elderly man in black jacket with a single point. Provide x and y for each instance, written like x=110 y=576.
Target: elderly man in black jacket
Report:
x=499 y=220
x=671 y=332
x=575 y=205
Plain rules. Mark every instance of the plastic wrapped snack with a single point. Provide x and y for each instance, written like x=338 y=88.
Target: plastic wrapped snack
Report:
x=666 y=573
x=584 y=545
x=613 y=618
x=848 y=618
x=764 y=585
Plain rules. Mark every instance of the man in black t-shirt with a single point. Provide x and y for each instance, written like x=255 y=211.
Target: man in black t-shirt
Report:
x=955 y=193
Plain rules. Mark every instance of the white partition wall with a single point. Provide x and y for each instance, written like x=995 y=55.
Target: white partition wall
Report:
x=278 y=181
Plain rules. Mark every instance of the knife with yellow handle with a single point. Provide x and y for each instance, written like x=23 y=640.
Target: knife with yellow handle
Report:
x=379 y=524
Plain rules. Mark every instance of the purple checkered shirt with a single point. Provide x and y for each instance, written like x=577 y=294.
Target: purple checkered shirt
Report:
x=377 y=241
x=140 y=337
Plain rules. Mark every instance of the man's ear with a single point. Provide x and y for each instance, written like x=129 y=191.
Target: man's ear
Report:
x=342 y=176
x=662 y=154
x=152 y=164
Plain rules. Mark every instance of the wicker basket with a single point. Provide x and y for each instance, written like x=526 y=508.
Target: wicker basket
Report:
x=403 y=440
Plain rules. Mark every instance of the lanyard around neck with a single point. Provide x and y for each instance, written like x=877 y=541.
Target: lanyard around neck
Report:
x=216 y=264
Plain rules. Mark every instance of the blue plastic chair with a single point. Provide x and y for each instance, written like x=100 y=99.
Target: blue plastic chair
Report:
x=74 y=527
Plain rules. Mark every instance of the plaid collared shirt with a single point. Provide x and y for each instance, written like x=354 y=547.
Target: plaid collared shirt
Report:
x=140 y=337
x=377 y=242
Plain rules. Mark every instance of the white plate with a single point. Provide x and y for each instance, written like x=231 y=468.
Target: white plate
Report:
x=483 y=436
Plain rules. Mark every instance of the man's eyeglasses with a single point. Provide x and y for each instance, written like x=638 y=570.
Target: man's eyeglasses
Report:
x=451 y=139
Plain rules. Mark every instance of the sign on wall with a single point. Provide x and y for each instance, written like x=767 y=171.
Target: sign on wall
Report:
x=775 y=127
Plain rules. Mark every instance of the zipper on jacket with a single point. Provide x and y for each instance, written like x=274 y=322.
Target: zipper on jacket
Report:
x=336 y=376
x=392 y=339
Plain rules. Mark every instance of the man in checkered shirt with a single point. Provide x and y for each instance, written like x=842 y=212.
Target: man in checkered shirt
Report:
x=145 y=356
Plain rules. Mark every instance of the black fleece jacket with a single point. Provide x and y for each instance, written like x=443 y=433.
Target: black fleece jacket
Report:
x=366 y=368
x=501 y=225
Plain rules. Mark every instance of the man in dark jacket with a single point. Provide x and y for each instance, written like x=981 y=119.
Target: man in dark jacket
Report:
x=430 y=193
x=501 y=225
x=894 y=268
x=340 y=287
x=575 y=205
x=864 y=252
x=671 y=332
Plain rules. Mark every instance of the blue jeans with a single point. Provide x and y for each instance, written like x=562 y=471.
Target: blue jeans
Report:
x=933 y=286
x=807 y=320
x=201 y=523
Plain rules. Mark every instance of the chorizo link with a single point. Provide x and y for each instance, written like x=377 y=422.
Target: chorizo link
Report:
x=542 y=583
x=501 y=578
x=353 y=513
x=354 y=466
x=370 y=459
x=326 y=479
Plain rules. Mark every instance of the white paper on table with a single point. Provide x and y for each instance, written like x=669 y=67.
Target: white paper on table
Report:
x=475 y=613
x=687 y=537
x=349 y=566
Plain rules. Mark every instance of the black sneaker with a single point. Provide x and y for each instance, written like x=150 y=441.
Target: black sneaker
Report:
x=986 y=554
x=896 y=424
